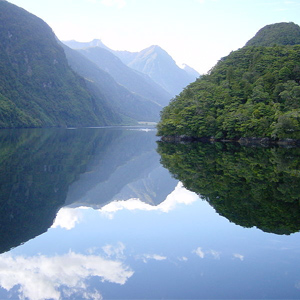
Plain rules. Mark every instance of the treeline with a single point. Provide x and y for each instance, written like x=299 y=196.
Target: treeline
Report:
x=253 y=92
x=250 y=186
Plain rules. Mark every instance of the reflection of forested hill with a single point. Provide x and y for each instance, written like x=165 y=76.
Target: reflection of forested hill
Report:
x=36 y=168
x=249 y=186
x=41 y=168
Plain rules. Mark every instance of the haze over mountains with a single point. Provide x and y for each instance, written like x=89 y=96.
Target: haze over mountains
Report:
x=102 y=85
x=153 y=61
x=44 y=83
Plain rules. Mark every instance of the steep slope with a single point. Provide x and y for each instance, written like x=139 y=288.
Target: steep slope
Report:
x=253 y=92
x=153 y=62
x=191 y=71
x=117 y=97
x=160 y=66
x=126 y=56
x=37 y=87
x=134 y=81
x=276 y=34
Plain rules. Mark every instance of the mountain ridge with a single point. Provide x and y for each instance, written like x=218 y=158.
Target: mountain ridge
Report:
x=134 y=81
x=153 y=61
x=102 y=85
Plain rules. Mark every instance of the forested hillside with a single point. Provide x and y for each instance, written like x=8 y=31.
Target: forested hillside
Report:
x=37 y=87
x=276 y=34
x=253 y=92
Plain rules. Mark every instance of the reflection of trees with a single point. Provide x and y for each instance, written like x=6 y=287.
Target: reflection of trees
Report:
x=249 y=186
x=36 y=168
x=40 y=168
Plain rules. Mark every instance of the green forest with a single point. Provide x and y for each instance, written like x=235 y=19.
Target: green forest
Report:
x=37 y=86
x=250 y=186
x=253 y=92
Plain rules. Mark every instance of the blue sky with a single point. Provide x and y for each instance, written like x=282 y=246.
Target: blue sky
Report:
x=195 y=32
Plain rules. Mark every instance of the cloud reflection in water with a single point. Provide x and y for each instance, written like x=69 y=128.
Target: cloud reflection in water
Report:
x=59 y=277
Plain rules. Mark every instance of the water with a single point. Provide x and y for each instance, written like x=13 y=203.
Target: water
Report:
x=126 y=229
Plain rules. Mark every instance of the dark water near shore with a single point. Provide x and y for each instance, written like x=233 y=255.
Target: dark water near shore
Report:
x=96 y=214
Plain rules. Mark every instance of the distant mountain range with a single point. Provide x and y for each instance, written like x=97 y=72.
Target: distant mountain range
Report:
x=134 y=81
x=44 y=83
x=103 y=86
x=153 y=61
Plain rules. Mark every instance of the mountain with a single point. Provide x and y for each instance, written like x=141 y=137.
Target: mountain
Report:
x=82 y=45
x=125 y=56
x=117 y=97
x=253 y=92
x=134 y=81
x=160 y=66
x=276 y=34
x=191 y=71
x=153 y=62
x=37 y=86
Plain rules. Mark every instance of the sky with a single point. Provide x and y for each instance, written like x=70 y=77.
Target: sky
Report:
x=194 y=32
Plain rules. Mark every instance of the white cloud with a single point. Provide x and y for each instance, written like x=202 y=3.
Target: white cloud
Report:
x=183 y=258
x=117 y=3
x=199 y=252
x=238 y=256
x=67 y=218
x=114 y=251
x=215 y=254
x=202 y=254
x=147 y=257
x=179 y=196
x=41 y=277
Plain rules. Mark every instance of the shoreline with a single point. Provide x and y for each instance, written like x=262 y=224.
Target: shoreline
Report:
x=242 y=141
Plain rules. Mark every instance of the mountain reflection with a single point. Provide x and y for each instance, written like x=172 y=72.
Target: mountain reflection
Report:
x=249 y=186
x=36 y=168
x=127 y=168
x=42 y=170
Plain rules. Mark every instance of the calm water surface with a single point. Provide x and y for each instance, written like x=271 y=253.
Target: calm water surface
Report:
x=95 y=214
